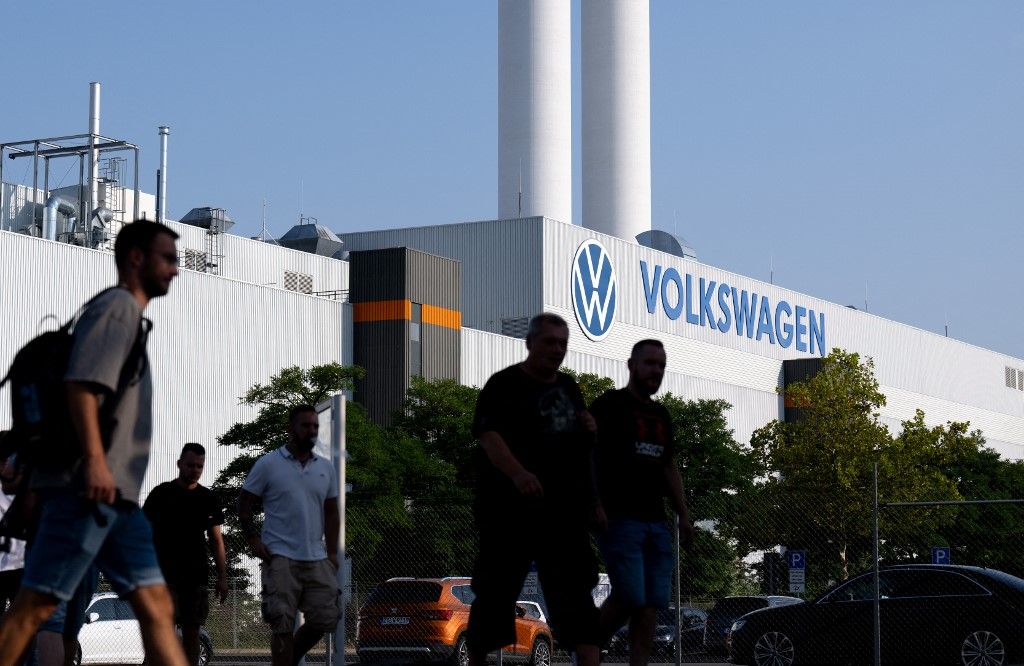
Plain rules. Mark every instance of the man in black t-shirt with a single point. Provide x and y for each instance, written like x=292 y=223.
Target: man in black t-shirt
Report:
x=535 y=498
x=184 y=515
x=636 y=472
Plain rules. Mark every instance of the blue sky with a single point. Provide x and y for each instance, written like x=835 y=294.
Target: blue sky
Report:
x=859 y=147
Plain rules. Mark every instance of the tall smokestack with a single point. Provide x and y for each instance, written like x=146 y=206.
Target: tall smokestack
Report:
x=616 y=112
x=161 y=195
x=94 y=156
x=535 y=109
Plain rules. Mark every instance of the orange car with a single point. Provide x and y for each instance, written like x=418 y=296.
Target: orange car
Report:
x=424 y=620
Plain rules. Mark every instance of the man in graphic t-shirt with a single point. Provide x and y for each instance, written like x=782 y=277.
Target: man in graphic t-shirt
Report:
x=636 y=472
x=534 y=481
x=184 y=515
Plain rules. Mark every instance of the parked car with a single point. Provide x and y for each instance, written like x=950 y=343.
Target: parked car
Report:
x=726 y=610
x=111 y=634
x=691 y=632
x=533 y=610
x=425 y=619
x=929 y=614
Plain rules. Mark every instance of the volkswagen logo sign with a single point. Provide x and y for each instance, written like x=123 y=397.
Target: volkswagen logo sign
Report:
x=594 y=289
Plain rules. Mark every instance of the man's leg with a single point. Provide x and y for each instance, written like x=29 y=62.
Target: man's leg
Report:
x=190 y=642
x=305 y=638
x=567 y=570
x=642 y=623
x=498 y=574
x=613 y=616
x=19 y=624
x=281 y=649
x=155 y=611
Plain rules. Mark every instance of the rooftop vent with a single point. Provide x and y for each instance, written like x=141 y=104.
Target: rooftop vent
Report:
x=313 y=238
x=656 y=239
x=213 y=219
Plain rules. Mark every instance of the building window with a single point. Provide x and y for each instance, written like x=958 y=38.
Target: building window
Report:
x=1011 y=378
x=515 y=327
x=300 y=282
x=415 y=341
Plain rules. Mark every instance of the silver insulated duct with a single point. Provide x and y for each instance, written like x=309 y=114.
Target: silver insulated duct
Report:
x=161 y=179
x=56 y=204
x=94 y=155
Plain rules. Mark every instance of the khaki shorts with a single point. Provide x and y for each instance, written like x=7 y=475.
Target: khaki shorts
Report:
x=293 y=585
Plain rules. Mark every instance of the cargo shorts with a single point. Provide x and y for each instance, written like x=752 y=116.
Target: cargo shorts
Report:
x=293 y=585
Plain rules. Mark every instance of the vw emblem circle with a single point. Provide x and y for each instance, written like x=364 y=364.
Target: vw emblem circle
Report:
x=594 y=289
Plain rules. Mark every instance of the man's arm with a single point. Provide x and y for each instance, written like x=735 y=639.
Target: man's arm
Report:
x=332 y=528
x=678 y=496
x=84 y=409
x=501 y=457
x=220 y=559
x=246 y=502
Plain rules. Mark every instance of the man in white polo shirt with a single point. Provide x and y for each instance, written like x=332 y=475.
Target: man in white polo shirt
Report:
x=299 y=492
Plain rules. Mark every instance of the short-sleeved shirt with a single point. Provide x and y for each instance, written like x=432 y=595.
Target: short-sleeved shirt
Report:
x=181 y=519
x=103 y=339
x=293 y=496
x=634 y=444
x=539 y=423
x=12 y=557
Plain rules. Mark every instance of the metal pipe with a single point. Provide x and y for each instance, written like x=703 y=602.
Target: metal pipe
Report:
x=46 y=177
x=56 y=204
x=161 y=196
x=135 y=207
x=94 y=130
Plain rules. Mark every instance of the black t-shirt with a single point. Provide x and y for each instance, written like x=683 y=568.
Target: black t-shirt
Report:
x=539 y=423
x=180 y=519
x=634 y=444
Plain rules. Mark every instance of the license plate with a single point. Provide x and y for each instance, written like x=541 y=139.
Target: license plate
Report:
x=394 y=620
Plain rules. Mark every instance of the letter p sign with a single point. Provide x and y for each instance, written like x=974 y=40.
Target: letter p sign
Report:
x=941 y=555
x=797 y=559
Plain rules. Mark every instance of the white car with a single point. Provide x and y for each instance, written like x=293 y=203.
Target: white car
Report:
x=111 y=634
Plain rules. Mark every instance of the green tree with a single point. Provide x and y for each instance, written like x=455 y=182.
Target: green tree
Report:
x=591 y=385
x=814 y=488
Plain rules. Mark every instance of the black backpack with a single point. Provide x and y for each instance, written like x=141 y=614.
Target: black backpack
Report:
x=42 y=434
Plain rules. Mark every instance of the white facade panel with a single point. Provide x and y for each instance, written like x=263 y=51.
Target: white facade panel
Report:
x=213 y=338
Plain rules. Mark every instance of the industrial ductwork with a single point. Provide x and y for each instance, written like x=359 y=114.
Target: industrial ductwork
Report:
x=56 y=204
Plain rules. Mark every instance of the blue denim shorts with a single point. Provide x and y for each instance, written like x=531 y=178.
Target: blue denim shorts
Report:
x=75 y=533
x=638 y=556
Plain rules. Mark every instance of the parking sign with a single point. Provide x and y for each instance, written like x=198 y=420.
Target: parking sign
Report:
x=941 y=555
x=797 y=559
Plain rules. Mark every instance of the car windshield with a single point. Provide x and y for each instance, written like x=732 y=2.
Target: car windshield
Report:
x=405 y=592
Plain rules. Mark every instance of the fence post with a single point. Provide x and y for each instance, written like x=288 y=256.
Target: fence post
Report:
x=234 y=613
x=679 y=610
x=876 y=604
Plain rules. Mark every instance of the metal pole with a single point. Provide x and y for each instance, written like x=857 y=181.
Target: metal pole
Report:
x=81 y=190
x=338 y=450
x=679 y=609
x=234 y=613
x=161 y=196
x=135 y=208
x=46 y=195
x=877 y=604
x=94 y=130
x=35 y=181
x=3 y=211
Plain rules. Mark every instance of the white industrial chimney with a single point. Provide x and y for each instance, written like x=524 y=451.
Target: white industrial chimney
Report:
x=616 y=113
x=535 y=109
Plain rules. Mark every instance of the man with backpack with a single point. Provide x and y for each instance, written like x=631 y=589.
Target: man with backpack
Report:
x=90 y=513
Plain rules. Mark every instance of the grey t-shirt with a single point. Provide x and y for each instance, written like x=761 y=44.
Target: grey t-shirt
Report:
x=103 y=339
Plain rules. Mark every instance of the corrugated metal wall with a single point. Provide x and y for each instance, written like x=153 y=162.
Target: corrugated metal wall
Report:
x=204 y=354
x=500 y=263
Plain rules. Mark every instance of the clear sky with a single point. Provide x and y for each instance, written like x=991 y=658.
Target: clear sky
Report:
x=861 y=147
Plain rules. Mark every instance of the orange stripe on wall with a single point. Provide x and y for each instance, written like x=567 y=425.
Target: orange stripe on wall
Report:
x=439 y=316
x=381 y=310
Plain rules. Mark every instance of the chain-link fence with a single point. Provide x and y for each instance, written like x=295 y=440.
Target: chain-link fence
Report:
x=812 y=571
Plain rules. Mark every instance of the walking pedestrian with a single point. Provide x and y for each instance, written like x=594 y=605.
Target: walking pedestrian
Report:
x=535 y=482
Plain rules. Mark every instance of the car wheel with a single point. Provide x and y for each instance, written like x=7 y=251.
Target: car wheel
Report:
x=982 y=648
x=460 y=656
x=540 y=655
x=773 y=648
x=205 y=651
